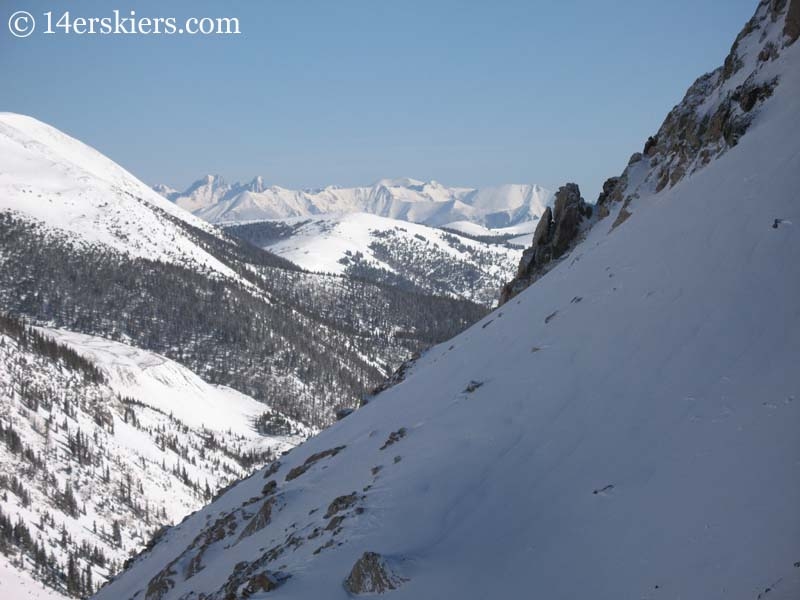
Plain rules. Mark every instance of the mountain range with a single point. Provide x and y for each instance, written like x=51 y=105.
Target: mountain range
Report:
x=87 y=247
x=428 y=203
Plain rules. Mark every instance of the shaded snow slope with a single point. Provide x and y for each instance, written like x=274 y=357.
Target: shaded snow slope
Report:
x=429 y=203
x=50 y=178
x=624 y=428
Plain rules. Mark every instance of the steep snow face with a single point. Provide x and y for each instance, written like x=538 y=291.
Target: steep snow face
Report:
x=53 y=179
x=429 y=203
x=139 y=447
x=624 y=428
x=392 y=251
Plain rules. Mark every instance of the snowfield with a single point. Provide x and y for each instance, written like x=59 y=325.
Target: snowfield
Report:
x=624 y=428
x=167 y=386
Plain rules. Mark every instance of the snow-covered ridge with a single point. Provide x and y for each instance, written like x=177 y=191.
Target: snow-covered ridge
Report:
x=429 y=203
x=625 y=428
x=53 y=179
x=390 y=251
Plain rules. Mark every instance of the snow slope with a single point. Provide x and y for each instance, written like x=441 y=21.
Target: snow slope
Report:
x=169 y=387
x=624 y=428
x=53 y=179
x=424 y=257
x=429 y=203
x=16 y=584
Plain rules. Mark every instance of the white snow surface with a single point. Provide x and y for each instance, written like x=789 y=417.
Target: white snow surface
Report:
x=167 y=386
x=16 y=584
x=322 y=241
x=53 y=179
x=429 y=203
x=635 y=434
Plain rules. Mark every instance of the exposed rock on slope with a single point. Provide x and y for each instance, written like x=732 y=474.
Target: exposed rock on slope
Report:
x=715 y=113
x=555 y=233
x=371 y=575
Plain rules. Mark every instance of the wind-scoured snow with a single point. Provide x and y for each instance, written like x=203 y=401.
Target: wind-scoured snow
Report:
x=624 y=428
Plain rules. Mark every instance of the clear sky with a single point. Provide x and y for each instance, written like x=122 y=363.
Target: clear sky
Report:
x=349 y=91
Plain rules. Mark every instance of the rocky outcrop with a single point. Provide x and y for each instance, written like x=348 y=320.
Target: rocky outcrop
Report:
x=601 y=206
x=261 y=519
x=311 y=460
x=791 y=28
x=372 y=575
x=715 y=113
x=555 y=234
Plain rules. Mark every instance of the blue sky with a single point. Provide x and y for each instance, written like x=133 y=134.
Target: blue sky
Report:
x=349 y=91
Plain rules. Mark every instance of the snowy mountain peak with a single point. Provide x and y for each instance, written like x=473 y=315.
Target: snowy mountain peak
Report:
x=60 y=184
x=257 y=185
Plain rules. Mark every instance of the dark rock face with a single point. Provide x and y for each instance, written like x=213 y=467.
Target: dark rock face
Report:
x=262 y=518
x=555 y=234
x=606 y=196
x=791 y=28
x=608 y=188
x=340 y=504
x=311 y=460
x=371 y=575
x=344 y=412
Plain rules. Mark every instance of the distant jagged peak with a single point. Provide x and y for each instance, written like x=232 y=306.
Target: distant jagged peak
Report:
x=257 y=184
x=208 y=181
